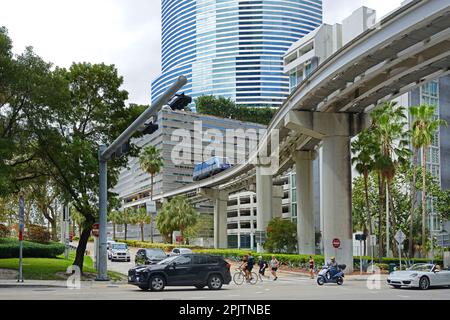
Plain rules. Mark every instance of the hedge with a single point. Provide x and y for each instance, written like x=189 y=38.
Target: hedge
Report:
x=291 y=260
x=9 y=248
x=396 y=261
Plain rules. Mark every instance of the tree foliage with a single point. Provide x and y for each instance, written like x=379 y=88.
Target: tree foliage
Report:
x=227 y=108
x=281 y=236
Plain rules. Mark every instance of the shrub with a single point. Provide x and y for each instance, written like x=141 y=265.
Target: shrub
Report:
x=281 y=236
x=4 y=231
x=38 y=234
x=9 y=248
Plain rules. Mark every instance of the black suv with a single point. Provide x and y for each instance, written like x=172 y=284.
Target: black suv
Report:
x=197 y=270
x=149 y=256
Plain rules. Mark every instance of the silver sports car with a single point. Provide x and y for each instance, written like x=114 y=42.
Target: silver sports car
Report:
x=421 y=276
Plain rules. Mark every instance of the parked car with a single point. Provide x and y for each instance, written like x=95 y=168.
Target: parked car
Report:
x=149 y=256
x=422 y=275
x=119 y=251
x=198 y=270
x=178 y=251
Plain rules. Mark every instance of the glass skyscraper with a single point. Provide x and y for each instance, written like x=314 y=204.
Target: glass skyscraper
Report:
x=232 y=48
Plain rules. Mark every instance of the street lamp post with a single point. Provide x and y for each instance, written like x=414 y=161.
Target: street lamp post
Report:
x=105 y=153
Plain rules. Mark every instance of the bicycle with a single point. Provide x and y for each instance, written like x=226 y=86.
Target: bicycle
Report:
x=239 y=277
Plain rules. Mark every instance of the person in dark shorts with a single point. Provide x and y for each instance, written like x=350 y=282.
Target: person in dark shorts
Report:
x=262 y=267
x=274 y=264
x=311 y=267
x=249 y=268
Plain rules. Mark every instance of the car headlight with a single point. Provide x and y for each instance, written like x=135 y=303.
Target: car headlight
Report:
x=413 y=275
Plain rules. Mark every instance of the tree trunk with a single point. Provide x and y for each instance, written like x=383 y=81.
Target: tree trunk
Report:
x=54 y=229
x=81 y=249
x=369 y=213
x=142 y=232
x=380 y=217
x=424 y=199
x=413 y=206
x=393 y=222
x=114 y=231
x=126 y=230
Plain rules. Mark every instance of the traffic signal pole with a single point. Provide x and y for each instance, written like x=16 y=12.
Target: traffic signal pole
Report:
x=105 y=153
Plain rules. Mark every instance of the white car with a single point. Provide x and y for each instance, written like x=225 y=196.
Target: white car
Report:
x=178 y=251
x=119 y=251
x=423 y=276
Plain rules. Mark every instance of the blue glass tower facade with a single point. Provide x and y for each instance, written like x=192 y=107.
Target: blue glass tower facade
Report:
x=232 y=48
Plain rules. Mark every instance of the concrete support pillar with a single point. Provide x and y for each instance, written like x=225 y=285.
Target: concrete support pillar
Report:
x=337 y=197
x=277 y=202
x=220 y=224
x=305 y=202
x=335 y=130
x=263 y=203
x=220 y=200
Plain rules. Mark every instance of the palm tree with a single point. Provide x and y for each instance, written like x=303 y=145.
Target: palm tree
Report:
x=141 y=217
x=127 y=217
x=151 y=162
x=115 y=217
x=364 y=148
x=424 y=126
x=390 y=130
x=177 y=214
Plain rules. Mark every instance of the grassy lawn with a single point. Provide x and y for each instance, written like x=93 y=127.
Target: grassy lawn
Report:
x=47 y=269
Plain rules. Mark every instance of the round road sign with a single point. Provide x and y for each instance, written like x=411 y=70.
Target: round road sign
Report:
x=336 y=243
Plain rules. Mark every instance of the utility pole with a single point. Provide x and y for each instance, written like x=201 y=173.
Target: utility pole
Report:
x=105 y=153
x=387 y=222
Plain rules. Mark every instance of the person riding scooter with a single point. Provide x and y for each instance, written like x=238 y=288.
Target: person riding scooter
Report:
x=333 y=267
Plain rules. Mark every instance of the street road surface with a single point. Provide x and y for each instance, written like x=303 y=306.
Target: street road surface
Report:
x=285 y=288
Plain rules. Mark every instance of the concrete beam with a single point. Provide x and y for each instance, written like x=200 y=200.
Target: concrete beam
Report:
x=318 y=124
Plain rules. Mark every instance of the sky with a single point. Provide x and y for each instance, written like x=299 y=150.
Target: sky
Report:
x=126 y=33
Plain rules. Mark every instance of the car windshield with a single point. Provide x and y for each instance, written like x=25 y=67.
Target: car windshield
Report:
x=119 y=246
x=421 y=267
x=168 y=260
x=156 y=254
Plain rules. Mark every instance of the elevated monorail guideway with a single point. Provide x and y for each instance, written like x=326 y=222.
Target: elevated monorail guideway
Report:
x=406 y=49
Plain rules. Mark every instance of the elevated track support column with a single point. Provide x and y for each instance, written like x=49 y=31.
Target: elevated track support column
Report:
x=220 y=199
x=305 y=201
x=277 y=201
x=264 y=202
x=335 y=131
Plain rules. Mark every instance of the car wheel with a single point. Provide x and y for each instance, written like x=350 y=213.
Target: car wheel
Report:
x=144 y=288
x=340 y=281
x=320 y=281
x=199 y=287
x=424 y=283
x=157 y=283
x=215 y=282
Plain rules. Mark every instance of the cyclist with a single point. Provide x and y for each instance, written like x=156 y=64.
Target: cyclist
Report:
x=249 y=267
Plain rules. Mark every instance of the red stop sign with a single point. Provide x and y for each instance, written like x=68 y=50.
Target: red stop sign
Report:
x=336 y=243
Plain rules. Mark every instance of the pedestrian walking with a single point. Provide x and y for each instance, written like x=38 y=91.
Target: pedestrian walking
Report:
x=274 y=264
x=262 y=267
x=311 y=267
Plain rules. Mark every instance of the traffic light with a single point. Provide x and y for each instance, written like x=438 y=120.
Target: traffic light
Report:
x=150 y=128
x=122 y=150
x=180 y=101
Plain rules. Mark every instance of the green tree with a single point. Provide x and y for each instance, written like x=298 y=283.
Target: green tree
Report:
x=424 y=125
x=226 y=108
x=115 y=217
x=204 y=228
x=151 y=162
x=364 y=149
x=141 y=218
x=176 y=215
x=281 y=236
x=389 y=128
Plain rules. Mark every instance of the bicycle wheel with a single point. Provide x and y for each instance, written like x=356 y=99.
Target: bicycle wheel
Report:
x=238 y=278
x=254 y=278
